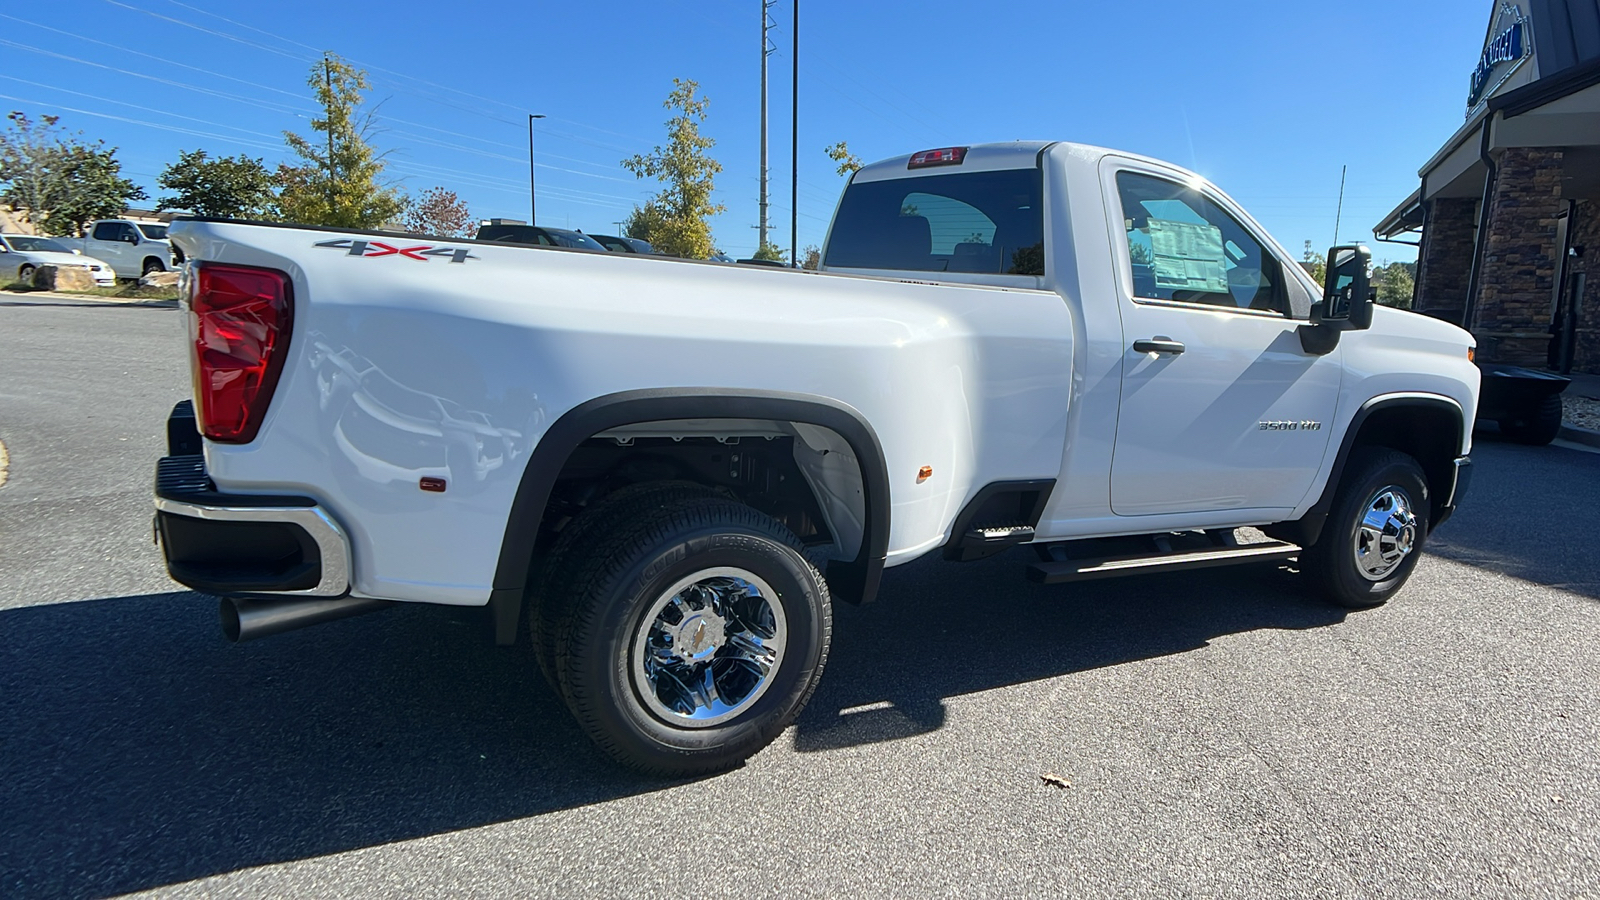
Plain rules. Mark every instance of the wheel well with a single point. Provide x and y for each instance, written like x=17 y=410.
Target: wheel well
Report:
x=680 y=433
x=782 y=469
x=1429 y=433
x=1428 y=430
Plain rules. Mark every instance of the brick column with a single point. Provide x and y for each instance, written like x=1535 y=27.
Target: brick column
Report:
x=1444 y=262
x=1512 y=321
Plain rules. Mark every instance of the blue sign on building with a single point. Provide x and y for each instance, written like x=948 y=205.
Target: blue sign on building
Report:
x=1508 y=46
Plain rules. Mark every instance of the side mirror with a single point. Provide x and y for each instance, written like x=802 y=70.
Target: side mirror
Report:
x=132 y=239
x=1346 y=295
x=1346 y=303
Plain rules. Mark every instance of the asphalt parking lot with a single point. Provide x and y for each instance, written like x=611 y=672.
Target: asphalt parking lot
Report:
x=1223 y=734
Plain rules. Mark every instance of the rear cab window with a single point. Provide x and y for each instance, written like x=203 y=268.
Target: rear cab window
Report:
x=989 y=222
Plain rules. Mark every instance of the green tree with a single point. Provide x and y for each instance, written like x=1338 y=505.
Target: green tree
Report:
x=811 y=258
x=59 y=181
x=1394 y=283
x=674 y=220
x=848 y=162
x=1315 y=264
x=232 y=187
x=337 y=182
x=770 y=251
x=644 y=221
x=441 y=212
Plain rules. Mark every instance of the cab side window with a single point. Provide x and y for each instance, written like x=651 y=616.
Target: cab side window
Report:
x=105 y=231
x=1184 y=247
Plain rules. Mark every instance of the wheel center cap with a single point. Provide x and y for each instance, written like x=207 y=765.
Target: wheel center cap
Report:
x=699 y=636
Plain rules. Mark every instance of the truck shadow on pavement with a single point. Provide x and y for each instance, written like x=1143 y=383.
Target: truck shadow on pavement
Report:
x=138 y=749
x=944 y=630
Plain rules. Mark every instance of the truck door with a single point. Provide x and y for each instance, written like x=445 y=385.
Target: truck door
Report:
x=1221 y=408
x=112 y=242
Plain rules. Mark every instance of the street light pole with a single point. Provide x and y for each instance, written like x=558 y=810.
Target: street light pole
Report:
x=533 y=195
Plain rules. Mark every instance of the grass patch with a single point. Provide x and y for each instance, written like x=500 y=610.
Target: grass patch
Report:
x=124 y=290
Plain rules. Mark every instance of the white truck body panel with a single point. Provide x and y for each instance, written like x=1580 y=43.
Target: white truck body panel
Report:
x=921 y=362
x=402 y=367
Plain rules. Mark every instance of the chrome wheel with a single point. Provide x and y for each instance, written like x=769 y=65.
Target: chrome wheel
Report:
x=1387 y=533
x=708 y=647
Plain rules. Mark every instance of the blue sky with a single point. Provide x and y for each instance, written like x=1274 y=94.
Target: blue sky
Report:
x=1267 y=99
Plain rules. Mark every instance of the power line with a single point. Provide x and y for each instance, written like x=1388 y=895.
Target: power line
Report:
x=159 y=59
x=159 y=112
x=263 y=104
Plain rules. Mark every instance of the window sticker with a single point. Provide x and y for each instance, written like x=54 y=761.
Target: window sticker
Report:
x=1188 y=256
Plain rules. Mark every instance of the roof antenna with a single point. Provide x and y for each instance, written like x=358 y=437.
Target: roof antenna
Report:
x=1340 y=213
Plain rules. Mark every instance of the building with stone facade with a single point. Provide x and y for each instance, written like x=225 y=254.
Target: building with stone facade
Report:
x=1508 y=214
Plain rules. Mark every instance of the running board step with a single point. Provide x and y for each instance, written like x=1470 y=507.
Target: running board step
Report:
x=1202 y=558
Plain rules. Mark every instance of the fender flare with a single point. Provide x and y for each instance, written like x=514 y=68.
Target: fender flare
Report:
x=1305 y=530
x=854 y=581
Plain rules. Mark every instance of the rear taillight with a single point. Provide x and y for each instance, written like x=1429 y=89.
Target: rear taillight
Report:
x=239 y=320
x=946 y=156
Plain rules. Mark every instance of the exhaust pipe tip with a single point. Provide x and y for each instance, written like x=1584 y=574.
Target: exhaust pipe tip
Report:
x=228 y=613
x=246 y=620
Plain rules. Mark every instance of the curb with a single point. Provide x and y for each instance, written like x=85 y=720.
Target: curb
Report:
x=1579 y=435
x=86 y=298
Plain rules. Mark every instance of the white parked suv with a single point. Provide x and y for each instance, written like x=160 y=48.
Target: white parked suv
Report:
x=22 y=254
x=670 y=469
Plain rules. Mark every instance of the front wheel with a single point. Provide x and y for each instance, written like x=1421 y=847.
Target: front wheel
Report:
x=1374 y=531
x=692 y=636
x=25 y=274
x=151 y=264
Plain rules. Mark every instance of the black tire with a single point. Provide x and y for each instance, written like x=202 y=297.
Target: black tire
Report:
x=151 y=264
x=615 y=603
x=555 y=573
x=1333 y=563
x=25 y=274
x=1539 y=426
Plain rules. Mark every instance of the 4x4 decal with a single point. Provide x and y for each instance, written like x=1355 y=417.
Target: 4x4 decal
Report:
x=421 y=253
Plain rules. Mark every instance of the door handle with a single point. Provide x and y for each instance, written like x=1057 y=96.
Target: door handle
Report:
x=1158 y=344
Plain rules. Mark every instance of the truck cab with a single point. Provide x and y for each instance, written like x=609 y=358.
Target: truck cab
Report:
x=1209 y=384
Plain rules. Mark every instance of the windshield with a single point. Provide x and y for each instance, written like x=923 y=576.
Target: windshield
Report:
x=154 y=232
x=24 y=244
x=980 y=222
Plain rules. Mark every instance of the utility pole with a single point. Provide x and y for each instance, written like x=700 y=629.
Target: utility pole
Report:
x=767 y=49
x=327 y=79
x=619 y=227
x=533 y=196
x=794 y=150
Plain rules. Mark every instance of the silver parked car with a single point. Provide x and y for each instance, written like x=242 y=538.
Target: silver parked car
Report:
x=21 y=254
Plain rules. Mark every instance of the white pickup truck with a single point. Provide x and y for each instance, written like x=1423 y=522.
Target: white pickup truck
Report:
x=669 y=469
x=133 y=249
